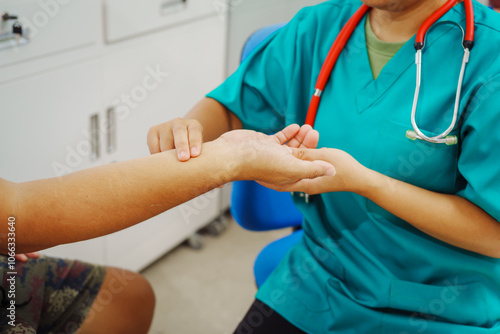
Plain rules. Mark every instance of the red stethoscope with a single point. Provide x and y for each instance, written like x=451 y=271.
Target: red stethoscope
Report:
x=345 y=34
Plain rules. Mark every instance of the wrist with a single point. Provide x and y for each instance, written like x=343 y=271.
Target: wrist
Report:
x=371 y=183
x=228 y=165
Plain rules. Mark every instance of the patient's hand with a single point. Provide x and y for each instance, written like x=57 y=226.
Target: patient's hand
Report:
x=25 y=257
x=306 y=137
x=265 y=158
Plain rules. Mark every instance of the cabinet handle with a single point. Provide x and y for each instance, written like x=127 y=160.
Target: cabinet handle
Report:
x=11 y=40
x=111 y=130
x=172 y=6
x=95 y=152
x=6 y=16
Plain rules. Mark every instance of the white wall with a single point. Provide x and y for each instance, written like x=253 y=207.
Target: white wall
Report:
x=247 y=16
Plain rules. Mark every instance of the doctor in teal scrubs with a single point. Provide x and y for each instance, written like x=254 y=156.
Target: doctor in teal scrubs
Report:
x=405 y=238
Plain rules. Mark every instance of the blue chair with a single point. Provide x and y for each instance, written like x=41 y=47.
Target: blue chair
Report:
x=258 y=208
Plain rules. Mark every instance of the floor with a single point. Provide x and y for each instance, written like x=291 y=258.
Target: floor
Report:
x=208 y=290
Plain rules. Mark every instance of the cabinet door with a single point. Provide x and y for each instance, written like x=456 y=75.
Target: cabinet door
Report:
x=45 y=123
x=149 y=84
x=45 y=131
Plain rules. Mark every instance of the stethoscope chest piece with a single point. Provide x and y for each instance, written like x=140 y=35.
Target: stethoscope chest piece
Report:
x=443 y=138
x=301 y=195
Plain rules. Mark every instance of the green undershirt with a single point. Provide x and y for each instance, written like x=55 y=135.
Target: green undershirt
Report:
x=379 y=52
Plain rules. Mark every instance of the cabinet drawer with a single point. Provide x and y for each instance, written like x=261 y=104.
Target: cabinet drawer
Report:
x=129 y=18
x=50 y=27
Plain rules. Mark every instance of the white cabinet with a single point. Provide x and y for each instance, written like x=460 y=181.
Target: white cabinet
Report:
x=51 y=101
x=45 y=130
x=56 y=33
x=148 y=85
x=45 y=123
x=139 y=16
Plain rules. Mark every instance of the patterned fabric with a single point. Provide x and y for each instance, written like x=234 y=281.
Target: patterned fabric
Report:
x=52 y=295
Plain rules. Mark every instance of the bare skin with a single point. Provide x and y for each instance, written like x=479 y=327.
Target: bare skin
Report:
x=399 y=20
x=449 y=218
x=77 y=206
x=124 y=304
x=206 y=121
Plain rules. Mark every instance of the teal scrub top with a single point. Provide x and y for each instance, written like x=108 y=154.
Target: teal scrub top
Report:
x=358 y=268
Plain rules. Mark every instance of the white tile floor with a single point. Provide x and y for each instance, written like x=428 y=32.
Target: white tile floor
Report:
x=207 y=291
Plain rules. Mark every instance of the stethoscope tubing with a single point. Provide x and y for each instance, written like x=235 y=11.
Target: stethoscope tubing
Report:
x=330 y=61
x=345 y=34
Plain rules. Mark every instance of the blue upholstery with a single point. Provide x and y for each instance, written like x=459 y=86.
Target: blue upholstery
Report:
x=258 y=208
x=269 y=257
x=258 y=37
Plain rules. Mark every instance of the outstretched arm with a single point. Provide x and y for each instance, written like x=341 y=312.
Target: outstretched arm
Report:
x=109 y=198
x=450 y=218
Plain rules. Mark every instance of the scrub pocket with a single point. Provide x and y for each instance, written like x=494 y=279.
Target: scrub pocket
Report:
x=423 y=164
x=450 y=303
x=304 y=278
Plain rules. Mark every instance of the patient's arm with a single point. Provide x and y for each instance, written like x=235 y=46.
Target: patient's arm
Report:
x=102 y=200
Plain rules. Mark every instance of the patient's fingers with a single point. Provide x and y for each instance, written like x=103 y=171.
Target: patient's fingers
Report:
x=299 y=138
x=310 y=154
x=287 y=133
x=311 y=139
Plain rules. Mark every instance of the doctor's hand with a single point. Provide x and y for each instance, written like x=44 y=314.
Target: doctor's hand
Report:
x=265 y=158
x=350 y=175
x=185 y=135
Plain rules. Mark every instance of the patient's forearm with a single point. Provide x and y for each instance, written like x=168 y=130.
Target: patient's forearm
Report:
x=109 y=198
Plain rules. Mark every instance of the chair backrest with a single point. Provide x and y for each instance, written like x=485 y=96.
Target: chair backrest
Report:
x=253 y=206
x=258 y=37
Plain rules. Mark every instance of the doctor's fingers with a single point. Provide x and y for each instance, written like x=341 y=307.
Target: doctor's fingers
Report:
x=302 y=169
x=195 y=137
x=159 y=138
x=181 y=141
x=308 y=186
x=153 y=140
x=187 y=138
